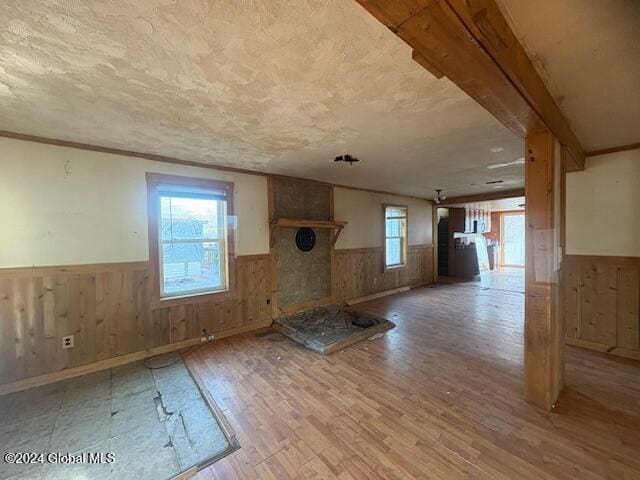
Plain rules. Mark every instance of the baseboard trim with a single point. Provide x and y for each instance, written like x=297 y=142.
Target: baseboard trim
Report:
x=52 y=377
x=601 y=347
x=373 y=296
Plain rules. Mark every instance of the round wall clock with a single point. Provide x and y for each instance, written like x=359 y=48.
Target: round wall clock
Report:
x=305 y=239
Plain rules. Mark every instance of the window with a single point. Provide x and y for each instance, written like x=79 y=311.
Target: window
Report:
x=395 y=238
x=188 y=235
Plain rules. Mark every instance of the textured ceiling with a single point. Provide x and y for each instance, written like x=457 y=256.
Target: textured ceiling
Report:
x=588 y=54
x=276 y=86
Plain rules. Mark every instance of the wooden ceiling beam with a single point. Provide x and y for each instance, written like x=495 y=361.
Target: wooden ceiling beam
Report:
x=393 y=13
x=489 y=26
x=471 y=43
x=483 y=197
x=427 y=65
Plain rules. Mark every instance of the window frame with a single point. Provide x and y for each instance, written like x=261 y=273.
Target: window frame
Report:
x=404 y=245
x=156 y=180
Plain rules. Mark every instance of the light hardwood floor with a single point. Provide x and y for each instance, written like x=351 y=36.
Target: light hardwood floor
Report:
x=440 y=396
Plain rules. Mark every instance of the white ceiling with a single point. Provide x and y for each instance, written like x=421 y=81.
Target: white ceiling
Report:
x=588 y=54
x=279 y=86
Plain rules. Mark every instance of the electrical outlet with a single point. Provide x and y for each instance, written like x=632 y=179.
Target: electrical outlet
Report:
x=67 y=342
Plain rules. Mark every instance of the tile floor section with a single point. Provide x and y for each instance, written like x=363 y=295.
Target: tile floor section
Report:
x=155 y=422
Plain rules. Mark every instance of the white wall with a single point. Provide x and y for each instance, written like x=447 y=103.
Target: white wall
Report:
x=603 y=206
x=363 y=211
x=64 y=206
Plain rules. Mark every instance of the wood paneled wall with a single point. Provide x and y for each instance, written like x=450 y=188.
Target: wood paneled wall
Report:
x=359 y=272
x=107 y=309
x=602 y=303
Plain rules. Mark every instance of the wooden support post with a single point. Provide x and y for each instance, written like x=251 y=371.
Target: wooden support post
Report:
x=272 y=249
x=544 y=333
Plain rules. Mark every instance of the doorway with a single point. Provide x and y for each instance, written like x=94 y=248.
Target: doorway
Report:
x=512 y=253
x=443 y=241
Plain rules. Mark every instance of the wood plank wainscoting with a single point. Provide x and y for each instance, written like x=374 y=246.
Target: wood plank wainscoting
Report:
x=359 y=271
x=106 y=307
x=602 y=303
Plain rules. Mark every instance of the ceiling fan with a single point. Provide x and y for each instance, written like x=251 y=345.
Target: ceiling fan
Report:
x=439 y=198
x=347 y=159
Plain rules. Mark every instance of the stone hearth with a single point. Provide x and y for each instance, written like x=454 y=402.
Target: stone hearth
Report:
x=327 y=329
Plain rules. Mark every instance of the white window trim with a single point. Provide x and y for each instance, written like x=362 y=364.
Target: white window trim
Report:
x=224 y=267
x=157 y=182
x=404 y=243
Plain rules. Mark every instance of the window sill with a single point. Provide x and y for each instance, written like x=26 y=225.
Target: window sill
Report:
x=394 y=267
x=190 y=299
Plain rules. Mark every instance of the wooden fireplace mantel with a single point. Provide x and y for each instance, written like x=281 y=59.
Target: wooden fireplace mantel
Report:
x=335 y=225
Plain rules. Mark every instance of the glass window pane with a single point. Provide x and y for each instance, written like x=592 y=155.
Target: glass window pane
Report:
x=189 y=218
x=394 y=228
x=396 y=212
x=189 y=267
x=394 y=252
